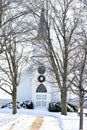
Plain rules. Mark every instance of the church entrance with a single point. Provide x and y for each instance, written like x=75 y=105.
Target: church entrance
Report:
x=41 y=96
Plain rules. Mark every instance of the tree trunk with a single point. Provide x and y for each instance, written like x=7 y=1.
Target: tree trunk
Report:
x=63 y=102
x=64 y=78
x=81 y=113
x=14 y=99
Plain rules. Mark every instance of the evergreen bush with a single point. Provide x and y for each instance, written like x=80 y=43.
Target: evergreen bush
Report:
x=56 y=107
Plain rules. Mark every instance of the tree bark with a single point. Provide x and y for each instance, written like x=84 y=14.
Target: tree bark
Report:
x=81 y=112
x=63 y=102
x=14 y=100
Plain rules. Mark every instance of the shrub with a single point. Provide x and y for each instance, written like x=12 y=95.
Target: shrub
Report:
x=23 y=104
x=56 y=107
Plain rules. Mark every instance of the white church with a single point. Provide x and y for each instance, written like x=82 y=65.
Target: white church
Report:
x=37 y=83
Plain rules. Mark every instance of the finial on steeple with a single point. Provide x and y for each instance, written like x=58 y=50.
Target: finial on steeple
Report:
x=42 y=33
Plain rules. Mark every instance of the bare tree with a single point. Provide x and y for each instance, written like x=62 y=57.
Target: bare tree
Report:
x=0 y=12
x=80 y=73
x=80 y=69
x=0 y=23
x=14 y=36
x=63 y=26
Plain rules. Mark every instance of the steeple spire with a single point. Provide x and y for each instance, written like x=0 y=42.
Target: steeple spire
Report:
x=42 y=33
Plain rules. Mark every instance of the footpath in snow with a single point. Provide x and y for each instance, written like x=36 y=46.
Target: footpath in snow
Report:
x=39 y=120
x=29 y=120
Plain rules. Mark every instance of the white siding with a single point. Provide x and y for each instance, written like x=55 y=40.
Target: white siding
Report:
x=25 y=87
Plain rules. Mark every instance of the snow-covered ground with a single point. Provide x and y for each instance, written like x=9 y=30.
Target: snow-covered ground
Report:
x=24 y=119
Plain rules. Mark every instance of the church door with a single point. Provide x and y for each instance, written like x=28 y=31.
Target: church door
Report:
x=41 y=96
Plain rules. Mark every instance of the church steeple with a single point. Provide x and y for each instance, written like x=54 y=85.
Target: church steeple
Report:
x=39 y=53
x=42 y=32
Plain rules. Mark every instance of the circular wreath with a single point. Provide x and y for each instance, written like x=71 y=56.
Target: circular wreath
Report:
x=41 y=78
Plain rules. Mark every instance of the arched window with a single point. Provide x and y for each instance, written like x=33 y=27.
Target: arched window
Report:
x=41 y=89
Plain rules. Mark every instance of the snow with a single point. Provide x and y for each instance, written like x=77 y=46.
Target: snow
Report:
x=25 y=118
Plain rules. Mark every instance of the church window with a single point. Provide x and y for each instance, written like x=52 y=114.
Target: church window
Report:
x=43 y=103
x=41 y=69
x=38 y=97
x=41 y=89
x=44 y=97
x=38 y=103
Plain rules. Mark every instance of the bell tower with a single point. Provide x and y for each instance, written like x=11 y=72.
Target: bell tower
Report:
x=40 y=86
